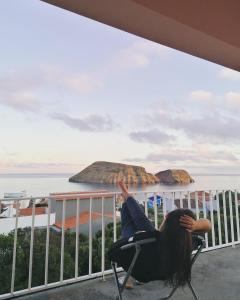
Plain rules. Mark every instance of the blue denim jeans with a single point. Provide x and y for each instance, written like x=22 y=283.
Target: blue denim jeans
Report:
x=133 y=218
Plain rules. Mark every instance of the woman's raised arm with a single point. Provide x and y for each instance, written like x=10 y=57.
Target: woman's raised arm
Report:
x=200 y=225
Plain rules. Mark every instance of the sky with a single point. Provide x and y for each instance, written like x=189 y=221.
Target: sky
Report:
x=74 y=91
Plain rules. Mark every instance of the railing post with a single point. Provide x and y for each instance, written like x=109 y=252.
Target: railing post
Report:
x=155 y=211
x=225 y=218
x=212 y=219
x=114 y=219
x=31 y=247
x=205 y=215
x=47 y=241
x=231 y=217
x=164 y=205
x=196 y=204
x=77 y=239
x=14 y=248
x=219 y=220
x=103 y=241
x=62 y=240
x=189 y=200
x=90 y=238
x=181 y=200
x=237 y=215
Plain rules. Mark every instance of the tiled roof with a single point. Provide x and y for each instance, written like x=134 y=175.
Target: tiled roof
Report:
x=83 y=219
x=28 y=211
x=78 y=192
x=80 y=195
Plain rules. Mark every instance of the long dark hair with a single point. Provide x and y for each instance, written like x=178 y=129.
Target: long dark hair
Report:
x=176 y=257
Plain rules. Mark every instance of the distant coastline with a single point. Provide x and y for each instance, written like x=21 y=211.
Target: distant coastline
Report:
x=40 y=175
x=36 y=175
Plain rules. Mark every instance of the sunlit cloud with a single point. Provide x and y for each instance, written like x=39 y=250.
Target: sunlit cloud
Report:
x=233 y=99
x=139 y=55
x=201 y=95
x=226 y=73
x=26 y=90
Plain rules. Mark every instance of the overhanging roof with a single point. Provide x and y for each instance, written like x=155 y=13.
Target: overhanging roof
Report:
x=209 y=29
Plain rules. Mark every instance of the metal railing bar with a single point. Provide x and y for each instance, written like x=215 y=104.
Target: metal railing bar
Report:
x=14 y=249
x=155 y=211
x=77 y=239
x=31 y=248
x=225 y=218
x=212 y=219
x=181 y=200
x=90 y=237
x=196 y=205
x=114 y=219
x=219 y=220
x=62 y=240
x=237 y=214
x=189 y=200
x=103 y=238
x=47 y=242
x=205 y=215
x=231 y=215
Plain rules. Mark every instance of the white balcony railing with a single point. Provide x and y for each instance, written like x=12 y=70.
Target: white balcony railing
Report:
x=69 y=242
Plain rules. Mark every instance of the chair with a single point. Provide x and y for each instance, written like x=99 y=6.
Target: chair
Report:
x=136 y=256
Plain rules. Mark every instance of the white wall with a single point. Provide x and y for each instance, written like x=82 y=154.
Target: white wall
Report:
x=8 y=224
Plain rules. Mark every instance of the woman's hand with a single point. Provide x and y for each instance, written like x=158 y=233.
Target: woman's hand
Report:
x=188 y=223
x=200 y=225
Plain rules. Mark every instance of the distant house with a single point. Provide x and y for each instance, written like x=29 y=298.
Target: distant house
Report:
x=70 y=221
x=7 y=224
x=197 y=198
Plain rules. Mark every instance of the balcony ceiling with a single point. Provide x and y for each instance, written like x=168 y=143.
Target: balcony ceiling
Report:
x=203 y=28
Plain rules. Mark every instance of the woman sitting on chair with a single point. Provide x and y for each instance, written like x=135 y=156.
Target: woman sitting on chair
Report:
x=176 y=230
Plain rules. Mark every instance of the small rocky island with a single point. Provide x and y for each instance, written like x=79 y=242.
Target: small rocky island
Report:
x=173 y=176
x=111 y=173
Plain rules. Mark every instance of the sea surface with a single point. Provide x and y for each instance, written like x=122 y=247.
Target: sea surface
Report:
x=43 y=184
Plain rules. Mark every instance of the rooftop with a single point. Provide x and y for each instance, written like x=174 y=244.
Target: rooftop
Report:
x=215 y=276
x=84 y=218
x=81 y=195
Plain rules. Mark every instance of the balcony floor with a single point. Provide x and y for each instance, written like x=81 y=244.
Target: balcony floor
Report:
x=216 y=275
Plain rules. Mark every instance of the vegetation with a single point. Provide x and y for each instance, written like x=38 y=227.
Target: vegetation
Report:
x=39 y=250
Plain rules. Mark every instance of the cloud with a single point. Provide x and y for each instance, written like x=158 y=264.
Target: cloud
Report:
x=193 y=156
x=233 y=99
x=17 y=92
x=74 y=82
x=34 y=165
x=22 y=101
x=229 y=74
x=201 y=95
x=90 y=123
x=153 y=136
x=139 y=55
x=213 y=126
x=23 y=91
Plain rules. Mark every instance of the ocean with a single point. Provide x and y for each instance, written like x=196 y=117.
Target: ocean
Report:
x=43 y=184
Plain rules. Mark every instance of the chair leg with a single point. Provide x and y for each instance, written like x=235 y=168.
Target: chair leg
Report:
x=119 y=297
x=192 y=290
x=170 y=295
